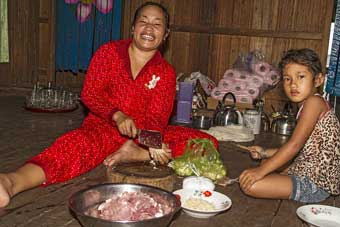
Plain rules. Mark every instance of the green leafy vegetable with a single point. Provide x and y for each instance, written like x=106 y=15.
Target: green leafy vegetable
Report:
x=200 y=158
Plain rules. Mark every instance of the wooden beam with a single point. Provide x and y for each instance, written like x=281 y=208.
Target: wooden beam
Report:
x=247 y=32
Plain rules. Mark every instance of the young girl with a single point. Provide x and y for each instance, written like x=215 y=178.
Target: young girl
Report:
x=314 y=146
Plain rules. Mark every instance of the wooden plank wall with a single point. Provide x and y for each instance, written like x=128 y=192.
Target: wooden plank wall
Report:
x=46 y=49
x=31 y=40
x=19 y=71
x=208 y=36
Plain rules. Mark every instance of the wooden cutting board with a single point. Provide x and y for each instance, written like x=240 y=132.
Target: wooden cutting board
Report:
x=143 y=173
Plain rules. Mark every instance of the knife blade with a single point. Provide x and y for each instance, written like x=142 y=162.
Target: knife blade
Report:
x=150 y=138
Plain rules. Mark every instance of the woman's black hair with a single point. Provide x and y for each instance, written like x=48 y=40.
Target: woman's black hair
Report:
x=164 y=10
x=305 y=56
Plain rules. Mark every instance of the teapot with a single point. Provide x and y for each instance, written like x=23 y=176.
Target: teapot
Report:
x=285 y=123
x=227 y=114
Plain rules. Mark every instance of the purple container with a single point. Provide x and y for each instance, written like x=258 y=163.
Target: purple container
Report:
x=185 y=91
x=183 y=111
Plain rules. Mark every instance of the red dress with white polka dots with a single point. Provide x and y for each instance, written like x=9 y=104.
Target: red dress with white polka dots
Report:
x=109 y=87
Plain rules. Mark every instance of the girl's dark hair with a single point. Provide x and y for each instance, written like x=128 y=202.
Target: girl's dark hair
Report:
x=305 y=56
x=164 y=10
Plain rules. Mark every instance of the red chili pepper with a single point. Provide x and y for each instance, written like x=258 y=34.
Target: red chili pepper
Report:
x=207 y=193
x=178 y=197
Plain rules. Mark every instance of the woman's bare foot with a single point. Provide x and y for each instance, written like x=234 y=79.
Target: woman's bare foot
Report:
x=128 y=152
x=26 y=177
x=5 y=188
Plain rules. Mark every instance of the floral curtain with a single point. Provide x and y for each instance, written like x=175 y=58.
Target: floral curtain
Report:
x=4 y=52
x=81 y=27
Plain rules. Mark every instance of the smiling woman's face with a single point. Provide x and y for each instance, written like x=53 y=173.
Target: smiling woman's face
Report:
x=149 y=30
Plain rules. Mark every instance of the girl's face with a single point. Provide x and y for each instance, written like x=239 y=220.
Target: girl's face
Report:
x=149 y=29
x=299 y=83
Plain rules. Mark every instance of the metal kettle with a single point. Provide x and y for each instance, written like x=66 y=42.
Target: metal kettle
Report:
x=285 y=123
x=227 y=114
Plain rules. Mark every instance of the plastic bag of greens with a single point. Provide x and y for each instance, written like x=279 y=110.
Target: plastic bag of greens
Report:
x=200 y=158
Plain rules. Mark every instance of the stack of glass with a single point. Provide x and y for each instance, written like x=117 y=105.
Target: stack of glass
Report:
x=51 y=98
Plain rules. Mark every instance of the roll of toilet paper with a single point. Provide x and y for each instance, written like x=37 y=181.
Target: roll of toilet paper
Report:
x=255 y=81
x=261 y=68
x=253 y=92
x=231 y=74
x=243 y=98
x=218 y=93
x=243 y=76
x=239 y=85
x=272 y=77
x=226 y=83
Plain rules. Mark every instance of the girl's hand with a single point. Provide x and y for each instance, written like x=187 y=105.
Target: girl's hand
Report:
x=162 y=155
x=257 y=152
x=126 y=126
x=249 y=177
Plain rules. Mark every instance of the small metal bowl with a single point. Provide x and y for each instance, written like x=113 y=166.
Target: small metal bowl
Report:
x=283 y=125
x=82 y=200
x=201 y=122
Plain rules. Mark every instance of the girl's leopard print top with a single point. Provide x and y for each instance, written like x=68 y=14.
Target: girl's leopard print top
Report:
x=319 y=159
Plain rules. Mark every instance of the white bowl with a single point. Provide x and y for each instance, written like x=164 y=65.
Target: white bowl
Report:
x=198 y=183
x=220 y=201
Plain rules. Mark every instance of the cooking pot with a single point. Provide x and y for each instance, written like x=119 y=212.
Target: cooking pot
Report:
x=283 y=125
x=227 y=114
x=201 y=122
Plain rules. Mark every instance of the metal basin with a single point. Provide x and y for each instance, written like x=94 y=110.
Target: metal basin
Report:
x=80 y=201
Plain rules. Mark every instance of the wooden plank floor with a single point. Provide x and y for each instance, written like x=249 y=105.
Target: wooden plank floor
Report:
x=24 y=134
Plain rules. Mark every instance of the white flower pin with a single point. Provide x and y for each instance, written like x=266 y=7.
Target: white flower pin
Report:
x=153 y=82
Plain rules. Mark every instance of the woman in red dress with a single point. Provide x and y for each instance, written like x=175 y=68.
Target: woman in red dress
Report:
x=128 y=86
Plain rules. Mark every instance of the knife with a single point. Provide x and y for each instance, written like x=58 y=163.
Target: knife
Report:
x=150 y=138
x=262 y=153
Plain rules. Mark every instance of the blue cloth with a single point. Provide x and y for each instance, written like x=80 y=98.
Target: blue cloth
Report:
x=76 y=42
x=333 y=76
